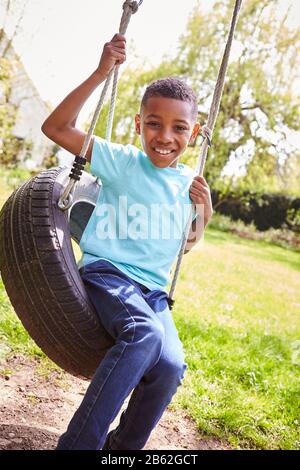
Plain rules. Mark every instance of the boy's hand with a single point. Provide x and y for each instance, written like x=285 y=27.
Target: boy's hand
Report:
x=114 y=53
x=200 y=194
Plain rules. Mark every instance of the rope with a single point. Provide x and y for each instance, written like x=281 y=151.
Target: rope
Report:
x=112 y=105
x=206 y=137
x=65 y=201
x=129 y=7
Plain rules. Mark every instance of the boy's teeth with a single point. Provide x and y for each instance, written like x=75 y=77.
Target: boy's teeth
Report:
x=163 y=152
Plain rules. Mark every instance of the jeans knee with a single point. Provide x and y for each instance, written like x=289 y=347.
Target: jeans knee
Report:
x=149 y=335
x=152 y=337
x=172 y=369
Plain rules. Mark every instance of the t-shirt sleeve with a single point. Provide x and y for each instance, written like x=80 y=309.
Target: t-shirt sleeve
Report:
x=110 y=161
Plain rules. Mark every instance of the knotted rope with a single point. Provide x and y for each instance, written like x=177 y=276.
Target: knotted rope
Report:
x=65 y=201
x=206 y=133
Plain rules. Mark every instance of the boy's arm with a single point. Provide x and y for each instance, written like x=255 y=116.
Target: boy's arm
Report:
x=200 y=196
x=60 y=126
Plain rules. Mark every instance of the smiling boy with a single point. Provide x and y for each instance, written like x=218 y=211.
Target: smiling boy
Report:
x=144 y=197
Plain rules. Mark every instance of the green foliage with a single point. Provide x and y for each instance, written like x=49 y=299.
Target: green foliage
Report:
x=265 y=210
x=13 y=336
x=281 y=237
x=51 y=160
x=10 y=179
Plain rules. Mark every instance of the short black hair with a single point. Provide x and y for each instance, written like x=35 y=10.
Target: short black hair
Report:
x=172 y=87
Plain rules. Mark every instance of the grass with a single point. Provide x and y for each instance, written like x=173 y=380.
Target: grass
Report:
x=237 y=313
x=11 y=179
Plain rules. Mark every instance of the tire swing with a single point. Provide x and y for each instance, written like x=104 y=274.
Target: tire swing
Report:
x=37 y=262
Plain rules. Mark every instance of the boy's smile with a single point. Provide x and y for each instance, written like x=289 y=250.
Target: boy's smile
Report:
x=166 y=128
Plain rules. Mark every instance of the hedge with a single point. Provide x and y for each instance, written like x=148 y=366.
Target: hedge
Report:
x=264 y=210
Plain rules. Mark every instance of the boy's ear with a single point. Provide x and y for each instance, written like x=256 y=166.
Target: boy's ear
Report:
x=138 y=124
x=195 y=132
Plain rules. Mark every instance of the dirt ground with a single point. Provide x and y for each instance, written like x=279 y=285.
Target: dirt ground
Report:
x=35 y=409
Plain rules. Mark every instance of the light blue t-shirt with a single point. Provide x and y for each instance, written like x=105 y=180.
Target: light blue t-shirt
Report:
x=140 y=215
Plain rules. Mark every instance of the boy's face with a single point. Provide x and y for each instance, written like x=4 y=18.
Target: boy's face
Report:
x=166 y=128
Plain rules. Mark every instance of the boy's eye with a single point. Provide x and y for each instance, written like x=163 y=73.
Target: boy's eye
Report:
x=156 y=124
x=152 y=123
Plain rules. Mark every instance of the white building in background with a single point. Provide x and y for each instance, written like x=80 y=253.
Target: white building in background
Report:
x=31 y=110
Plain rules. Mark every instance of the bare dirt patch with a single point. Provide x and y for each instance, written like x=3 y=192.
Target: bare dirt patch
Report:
x=37 y=405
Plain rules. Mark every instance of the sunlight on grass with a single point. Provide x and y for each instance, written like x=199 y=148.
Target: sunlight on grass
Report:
x=76 y=251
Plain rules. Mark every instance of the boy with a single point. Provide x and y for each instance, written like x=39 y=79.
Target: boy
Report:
x=126 y=269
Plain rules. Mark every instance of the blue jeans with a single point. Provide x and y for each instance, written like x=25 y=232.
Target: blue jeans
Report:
x=147 y=357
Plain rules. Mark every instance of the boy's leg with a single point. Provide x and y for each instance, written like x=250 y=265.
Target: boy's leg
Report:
x=156 y=388
x=139 y=339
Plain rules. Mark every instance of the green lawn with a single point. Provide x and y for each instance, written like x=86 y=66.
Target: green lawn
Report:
x=237 y=311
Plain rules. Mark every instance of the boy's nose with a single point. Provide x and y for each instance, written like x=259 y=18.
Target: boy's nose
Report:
x=164 y=138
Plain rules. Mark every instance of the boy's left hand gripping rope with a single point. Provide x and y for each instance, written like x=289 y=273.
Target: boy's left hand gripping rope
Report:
x=66 y=198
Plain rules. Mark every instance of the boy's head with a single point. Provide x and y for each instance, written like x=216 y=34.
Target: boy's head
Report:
x=167 y=120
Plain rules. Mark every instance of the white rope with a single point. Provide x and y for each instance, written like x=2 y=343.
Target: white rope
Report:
x=206 y=136
x=129 y=8
x=111 y=114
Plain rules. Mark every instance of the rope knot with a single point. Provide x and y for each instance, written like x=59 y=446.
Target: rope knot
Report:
x=131 y=4
x=206 y=134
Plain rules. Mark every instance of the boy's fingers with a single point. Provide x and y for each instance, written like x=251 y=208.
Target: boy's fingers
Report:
x=200 y=185
x=118 y=56
x=120 y=44
x=199 y=192
x=201 y=179
x=196 y=191
x=114 y=46
x=193 y=193
x=118 y=49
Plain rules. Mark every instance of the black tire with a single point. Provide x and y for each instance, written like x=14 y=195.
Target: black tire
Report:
x=41 y=277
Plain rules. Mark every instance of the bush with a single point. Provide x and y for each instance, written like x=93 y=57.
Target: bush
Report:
x=265 y=211
x=282 y=237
